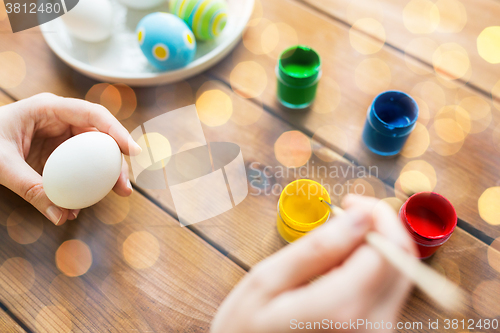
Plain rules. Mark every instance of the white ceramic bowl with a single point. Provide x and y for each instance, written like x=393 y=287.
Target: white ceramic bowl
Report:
x=119 y=59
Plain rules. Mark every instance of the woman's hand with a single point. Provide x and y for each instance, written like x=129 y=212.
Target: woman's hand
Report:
x=356 y=281
x=31 y=129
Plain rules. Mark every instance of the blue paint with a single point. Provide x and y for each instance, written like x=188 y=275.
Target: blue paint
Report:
x=390 y=120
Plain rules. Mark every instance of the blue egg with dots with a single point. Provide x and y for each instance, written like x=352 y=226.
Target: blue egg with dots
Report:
x=166 y=41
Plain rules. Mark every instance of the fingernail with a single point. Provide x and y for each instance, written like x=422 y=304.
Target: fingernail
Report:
x=129 y=185
x=75 y=214
x=54 y=214
x=134 y=147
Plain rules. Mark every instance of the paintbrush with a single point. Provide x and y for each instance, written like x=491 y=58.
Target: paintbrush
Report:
x=441 y=290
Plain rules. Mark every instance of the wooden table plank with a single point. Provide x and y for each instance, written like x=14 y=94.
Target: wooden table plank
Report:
x=146 y=274
x=461 y=22
x=464 y=170
x=8 y=325
x=467 y=173
x=248 y=233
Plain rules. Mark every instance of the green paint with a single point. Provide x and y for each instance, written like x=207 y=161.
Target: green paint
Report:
x=298 y=71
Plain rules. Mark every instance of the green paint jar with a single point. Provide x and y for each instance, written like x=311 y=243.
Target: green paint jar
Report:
x=298 y=72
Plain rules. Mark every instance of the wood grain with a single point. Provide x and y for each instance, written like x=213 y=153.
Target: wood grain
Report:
x=8 y=325
x=248 y=233
x=461 y=22
x=462 y=176
x=146 y=272
x=463 y=169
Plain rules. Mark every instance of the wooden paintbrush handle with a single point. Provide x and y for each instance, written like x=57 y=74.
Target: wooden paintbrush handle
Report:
x=444 y=292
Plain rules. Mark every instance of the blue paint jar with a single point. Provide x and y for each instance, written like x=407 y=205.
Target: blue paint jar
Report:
x=390 y=120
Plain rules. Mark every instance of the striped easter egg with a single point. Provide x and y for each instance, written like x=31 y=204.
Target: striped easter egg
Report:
x=207 y=18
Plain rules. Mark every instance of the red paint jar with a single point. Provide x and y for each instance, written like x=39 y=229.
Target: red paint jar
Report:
x=430 y=219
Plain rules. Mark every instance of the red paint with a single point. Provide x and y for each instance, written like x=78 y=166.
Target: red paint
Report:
x=430 y=219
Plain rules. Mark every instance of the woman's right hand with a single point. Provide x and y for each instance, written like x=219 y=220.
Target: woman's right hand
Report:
x=356 y=282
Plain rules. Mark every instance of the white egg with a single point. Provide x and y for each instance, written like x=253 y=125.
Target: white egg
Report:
x=142 y=4
x=82 y=170
x=90 y=20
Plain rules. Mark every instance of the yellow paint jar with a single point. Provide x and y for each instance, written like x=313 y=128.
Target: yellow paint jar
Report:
x=300 y=210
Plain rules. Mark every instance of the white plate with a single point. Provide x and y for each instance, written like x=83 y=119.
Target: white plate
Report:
x=119 y=59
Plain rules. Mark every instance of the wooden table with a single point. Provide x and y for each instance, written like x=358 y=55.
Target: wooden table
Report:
x=139 y=271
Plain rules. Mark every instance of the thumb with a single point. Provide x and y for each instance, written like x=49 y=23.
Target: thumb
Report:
x=19 y=177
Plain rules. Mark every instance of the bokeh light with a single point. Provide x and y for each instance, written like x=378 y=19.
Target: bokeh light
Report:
x=278 y=37
x=452 y=16
x=112 y=209
x=450 y=129
x=67 y=291
x=422 y=47
x=73 y=258
x=141 y=250
x=372 y=76
x=248 y=79
x=452 y=123
x=416 y=176
x=332 y=134
x=479 y=111
x=494 y=254
x=156 y=145
x=17 y=276
x=451 y=61
x=111 y=99
x=53 y=318
x=12 y=71
x=129 y=101
x=485 y=298
x=270 y=38
x=361 y=36
x=244 y=113
x=488 y=205
x=25 y=225
x=293 y=149
x=253 y=36
x=417 y=143
x=119 y=99
x=432 y=93
x=328 y=96
x=488 y=44
x=214 y=108
x=394 y=202
x=421 y=16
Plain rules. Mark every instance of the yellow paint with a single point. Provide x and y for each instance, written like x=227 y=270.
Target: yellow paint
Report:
x=300 y=209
